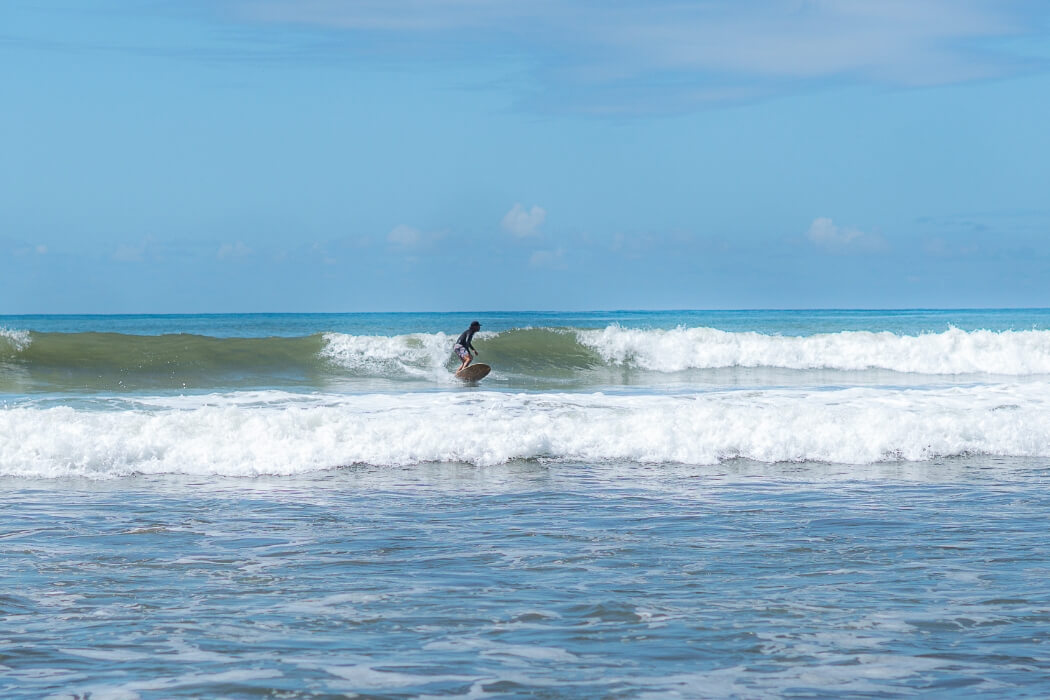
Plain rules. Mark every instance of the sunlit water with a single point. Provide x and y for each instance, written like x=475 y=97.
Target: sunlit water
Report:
x=530 y=579
x=752 y=504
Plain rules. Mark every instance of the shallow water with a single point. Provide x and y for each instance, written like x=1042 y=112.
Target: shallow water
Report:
x=532 y=579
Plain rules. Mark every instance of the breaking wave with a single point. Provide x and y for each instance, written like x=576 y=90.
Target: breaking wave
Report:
x=953 y=351
x=252 y=433
x=115 y=362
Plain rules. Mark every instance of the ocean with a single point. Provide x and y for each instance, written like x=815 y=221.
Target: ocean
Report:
x=672 y=504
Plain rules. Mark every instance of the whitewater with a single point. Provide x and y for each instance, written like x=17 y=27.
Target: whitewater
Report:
x=102 y=399
x=101 y=402
x=273 y=433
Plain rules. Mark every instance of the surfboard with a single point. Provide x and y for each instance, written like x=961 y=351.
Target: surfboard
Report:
x=473 y=373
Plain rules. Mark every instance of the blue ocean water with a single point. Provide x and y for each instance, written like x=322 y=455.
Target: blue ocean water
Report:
x=785 y=322
x=633 y=504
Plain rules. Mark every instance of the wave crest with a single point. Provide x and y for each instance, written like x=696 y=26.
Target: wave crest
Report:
x=951 y=352
x=13 y=341
x=523 y=357
x=414 y=355
x=269 y=434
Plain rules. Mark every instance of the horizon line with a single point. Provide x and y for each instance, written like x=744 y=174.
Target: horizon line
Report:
x=539 y=311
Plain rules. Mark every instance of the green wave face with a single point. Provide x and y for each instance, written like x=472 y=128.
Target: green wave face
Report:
x=113 y=362
x=526 y=358
x=548 y=352
x=100 y=362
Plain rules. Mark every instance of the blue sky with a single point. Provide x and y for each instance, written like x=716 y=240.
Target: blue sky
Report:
x=384 y=155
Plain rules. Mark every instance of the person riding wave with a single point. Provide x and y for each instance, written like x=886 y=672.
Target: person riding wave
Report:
x=464 y=346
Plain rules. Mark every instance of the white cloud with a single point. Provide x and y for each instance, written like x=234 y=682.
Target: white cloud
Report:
x=941 y=248
x=553 y=259
x=147 y=248
x=29 y=249
x=825 y=233
x=404 y=236
x=521 y=223
x=713 y=51
x=895 y=41
x=130 y=253
x=320 y=249
x=229 y=251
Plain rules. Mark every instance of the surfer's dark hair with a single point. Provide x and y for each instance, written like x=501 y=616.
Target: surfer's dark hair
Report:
x=475 y=324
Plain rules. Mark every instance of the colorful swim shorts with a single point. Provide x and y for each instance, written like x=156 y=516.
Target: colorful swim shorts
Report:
x=461 y=351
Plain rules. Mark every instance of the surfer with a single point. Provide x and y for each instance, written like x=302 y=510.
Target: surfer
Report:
x=463 y=346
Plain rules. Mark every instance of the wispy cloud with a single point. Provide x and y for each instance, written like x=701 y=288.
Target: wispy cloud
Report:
x=942 y=248
x=696 y=53
x=522 y=222
x=404 y=236
x=133 y=252
x=827 y=235
x=23 y=249
x=613 y=58
x=409 y=239
x=232 y=251
x=551 y=259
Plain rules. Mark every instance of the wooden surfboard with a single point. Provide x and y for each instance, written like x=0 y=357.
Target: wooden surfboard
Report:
x=473 y=373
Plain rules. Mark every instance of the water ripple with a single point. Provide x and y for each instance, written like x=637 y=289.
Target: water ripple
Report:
x=552 y=580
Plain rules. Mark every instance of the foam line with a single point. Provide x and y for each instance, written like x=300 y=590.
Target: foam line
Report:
x=951 y=352
x=228 y=436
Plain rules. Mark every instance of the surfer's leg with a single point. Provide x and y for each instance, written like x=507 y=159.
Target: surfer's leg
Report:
x=464 y=356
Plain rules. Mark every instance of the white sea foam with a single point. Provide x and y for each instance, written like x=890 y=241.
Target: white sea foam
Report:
x=13 y=340
x=224 y=435
x=951 y=352
x=425 y=355
x=414 y=355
